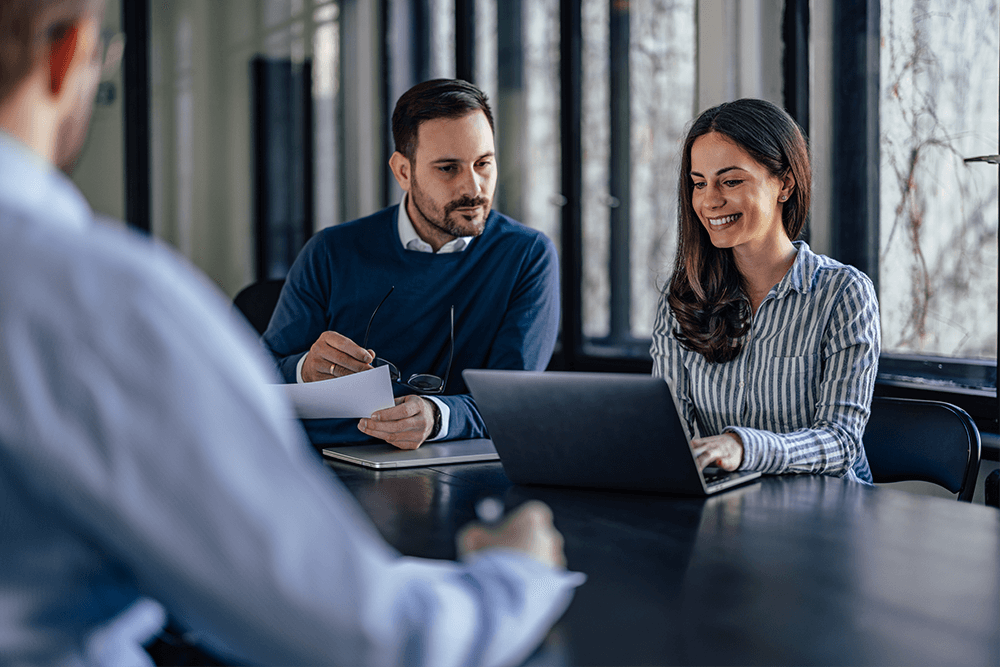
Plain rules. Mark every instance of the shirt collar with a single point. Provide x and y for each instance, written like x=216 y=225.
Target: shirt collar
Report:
x=411 y=240
x=32 y=185
x=800 y=276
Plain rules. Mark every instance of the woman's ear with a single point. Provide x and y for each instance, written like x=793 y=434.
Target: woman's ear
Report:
x=787 y=186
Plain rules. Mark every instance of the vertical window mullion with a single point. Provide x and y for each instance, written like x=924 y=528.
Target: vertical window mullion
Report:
x=620 y=175
x=465 y=40
x=571 y=96
x=855 y=173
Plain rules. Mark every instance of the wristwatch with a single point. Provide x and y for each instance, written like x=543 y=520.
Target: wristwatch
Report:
x=437 y=421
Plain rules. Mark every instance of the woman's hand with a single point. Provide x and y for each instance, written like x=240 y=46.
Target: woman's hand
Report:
x=724 y=450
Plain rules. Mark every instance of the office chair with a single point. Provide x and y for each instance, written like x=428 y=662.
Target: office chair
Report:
x=257 y=301
x=929 y=441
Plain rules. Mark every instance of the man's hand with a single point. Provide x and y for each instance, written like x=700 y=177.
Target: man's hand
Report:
x=407 y=425
x=528 y=529
x=724 y=450
x=334 y=355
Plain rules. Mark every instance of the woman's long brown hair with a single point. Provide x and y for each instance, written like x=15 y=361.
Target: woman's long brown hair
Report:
x=706 y=291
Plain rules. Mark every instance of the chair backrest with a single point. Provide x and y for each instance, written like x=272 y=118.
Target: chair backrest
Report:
x=930 y=441
x=257 y=301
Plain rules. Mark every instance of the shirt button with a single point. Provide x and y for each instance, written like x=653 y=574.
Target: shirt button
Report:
x=742 y=383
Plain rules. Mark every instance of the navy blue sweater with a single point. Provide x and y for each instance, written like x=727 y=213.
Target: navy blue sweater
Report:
x=504 y=286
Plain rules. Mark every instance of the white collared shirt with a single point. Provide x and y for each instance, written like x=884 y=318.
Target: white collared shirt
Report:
x=411 y=240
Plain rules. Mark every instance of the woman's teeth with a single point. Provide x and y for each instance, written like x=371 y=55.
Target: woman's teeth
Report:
x=718 y=222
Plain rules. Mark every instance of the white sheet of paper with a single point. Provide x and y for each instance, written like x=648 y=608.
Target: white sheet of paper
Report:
x=349 y=397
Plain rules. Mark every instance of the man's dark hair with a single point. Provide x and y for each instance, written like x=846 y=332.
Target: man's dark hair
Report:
x=26 y=26
x=438 y=98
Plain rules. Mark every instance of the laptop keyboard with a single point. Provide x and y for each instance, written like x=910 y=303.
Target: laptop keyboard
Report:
x=713 y=475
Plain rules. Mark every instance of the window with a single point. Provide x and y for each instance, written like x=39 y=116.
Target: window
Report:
x=916 y=84
x=639 y=91
x=938 y=220
x=635 y=63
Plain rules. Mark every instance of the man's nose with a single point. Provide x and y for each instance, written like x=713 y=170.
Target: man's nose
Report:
x=472 y=183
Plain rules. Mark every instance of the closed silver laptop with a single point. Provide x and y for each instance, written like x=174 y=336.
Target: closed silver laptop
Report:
x=382 y=456
x=591 y=430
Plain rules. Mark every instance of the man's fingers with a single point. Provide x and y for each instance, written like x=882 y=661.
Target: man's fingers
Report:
x=374 y=426
x=404 y=408
x=405 y=425
x=335 y=355
x=344 y=362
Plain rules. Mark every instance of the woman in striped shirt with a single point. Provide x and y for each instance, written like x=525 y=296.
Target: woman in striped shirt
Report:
x=770 y=350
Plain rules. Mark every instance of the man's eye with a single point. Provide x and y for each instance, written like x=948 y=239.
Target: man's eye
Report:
x=447 y=169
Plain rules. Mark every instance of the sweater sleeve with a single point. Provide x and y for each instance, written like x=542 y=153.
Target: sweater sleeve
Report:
x=527 y=333
x=832 y=443
x=301 y=314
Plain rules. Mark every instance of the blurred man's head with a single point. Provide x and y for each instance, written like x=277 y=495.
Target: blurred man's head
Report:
x=50 y=59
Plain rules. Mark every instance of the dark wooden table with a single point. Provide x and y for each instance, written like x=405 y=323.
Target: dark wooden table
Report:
x=793 y=570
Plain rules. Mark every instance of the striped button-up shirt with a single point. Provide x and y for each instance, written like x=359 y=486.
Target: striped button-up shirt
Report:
x=799 y=393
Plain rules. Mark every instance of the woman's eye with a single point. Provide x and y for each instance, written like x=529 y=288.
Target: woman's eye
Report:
x=733 y=183
x=699 y=186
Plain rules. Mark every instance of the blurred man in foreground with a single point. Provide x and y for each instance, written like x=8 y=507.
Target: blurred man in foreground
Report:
x=146 y=468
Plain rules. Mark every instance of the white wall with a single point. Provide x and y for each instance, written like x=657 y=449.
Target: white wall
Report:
x=201 y=133
x=821 y=121
x=739 y=51
x=100 y=170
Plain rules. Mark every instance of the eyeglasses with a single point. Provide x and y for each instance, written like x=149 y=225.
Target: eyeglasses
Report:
x=112 y=51
x=423 y=383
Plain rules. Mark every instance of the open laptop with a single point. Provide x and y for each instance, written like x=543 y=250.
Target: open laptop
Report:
x=383 y=456
x=593 y=430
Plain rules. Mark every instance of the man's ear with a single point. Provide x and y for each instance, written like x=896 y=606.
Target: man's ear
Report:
x=401 y=169
x=60 y=58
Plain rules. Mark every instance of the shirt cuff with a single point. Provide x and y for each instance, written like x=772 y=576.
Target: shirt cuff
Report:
x=761 y=450
x=298 y=368
x=445 y=416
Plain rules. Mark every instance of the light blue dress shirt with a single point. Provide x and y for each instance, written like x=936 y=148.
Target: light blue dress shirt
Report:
x=146 y=465
x=800 y=391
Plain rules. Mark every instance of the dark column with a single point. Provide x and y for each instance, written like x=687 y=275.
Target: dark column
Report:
x=465 y=40
x=571 y=76
x=855 y=182
x=620 y=174
x=135 y=74
x=795 y=34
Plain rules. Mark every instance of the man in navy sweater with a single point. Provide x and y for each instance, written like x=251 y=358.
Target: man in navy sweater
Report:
x=442 y=247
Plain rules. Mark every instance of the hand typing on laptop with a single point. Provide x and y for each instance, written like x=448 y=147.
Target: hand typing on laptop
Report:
x=724 y=450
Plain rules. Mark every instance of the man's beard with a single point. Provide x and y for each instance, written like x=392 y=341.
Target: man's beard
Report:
x=448 y=222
